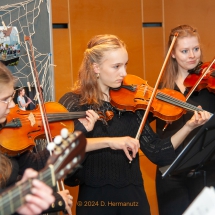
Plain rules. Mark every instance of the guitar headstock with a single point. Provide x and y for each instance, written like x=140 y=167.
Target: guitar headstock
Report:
x=67 y=154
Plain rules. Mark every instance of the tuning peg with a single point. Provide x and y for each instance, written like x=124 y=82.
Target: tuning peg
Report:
x=64 y=133
x=58 y=139
x=51 y=146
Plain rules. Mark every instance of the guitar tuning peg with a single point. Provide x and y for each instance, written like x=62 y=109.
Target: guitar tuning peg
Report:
x=58 y=139
x=51 y=146
x=64 y=133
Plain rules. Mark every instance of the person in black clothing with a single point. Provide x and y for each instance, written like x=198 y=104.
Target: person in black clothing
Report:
x=34 y=204
x=109 y=183
x=177 y=192
x=26 y=160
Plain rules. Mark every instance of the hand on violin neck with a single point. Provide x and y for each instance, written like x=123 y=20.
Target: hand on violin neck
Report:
x=90 y=120
x=199 y=118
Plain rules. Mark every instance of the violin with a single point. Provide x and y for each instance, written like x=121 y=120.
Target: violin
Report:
x=207 y=81
x=24 y=127
x=134 y=94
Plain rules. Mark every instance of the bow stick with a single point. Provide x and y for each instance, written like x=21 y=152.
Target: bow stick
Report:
x=39 y=93
x=143 y=122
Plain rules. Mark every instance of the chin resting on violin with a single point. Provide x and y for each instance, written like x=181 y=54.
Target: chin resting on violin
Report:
x=176 y=194
x=107 y=175
x=14 y=168
x=110 y=148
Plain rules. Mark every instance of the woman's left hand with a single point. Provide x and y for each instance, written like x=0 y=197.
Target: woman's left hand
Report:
x=40 y=198
x=90 y=120
x=199 y=118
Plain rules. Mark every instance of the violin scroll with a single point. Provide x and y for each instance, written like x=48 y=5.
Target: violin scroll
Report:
x=104 y=117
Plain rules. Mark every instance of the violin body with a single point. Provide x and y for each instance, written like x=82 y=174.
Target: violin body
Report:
x=24 y=127
x=191 y=80
x=207 y=80
x=128 y=100
x=211 y=82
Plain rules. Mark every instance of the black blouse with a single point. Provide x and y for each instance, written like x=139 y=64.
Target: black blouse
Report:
x=203 y=98
x=107 y=166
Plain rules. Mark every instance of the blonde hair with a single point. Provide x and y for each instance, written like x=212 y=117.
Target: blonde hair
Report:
x=171 y=70
x=87 y=85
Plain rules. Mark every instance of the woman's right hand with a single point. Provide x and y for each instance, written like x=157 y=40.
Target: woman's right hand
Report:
x=127 y=144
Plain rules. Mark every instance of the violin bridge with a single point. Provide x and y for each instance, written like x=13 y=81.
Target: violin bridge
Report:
x=32 y=119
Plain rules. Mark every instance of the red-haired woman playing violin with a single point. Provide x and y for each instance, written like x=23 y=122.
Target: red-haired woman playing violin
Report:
x=176 y=193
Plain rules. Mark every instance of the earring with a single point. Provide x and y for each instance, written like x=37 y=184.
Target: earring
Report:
x=97 y=75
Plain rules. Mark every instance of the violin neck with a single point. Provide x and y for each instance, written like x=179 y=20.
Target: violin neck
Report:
x=56 y=117
x=171 y=100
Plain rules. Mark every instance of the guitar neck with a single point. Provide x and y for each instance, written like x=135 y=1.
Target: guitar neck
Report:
x=13 y=198
x=66 y=156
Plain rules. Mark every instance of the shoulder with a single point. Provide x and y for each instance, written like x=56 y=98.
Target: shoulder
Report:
x=71 y=101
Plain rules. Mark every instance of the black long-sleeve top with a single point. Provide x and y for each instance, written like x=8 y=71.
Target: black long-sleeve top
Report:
x=107 y=166
x=204 y=98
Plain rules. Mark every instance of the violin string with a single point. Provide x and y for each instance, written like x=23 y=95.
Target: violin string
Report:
x=177 y=102
x=173 y=100
x=55 y=116
x=170 y=99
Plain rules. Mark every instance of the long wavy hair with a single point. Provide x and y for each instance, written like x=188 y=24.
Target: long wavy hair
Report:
x=171 y=70
x=5 y=170
x=87 y=85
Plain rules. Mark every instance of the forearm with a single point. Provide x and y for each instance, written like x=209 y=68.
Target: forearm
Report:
x=24 y=104
x=97 y=143
x=180 y=136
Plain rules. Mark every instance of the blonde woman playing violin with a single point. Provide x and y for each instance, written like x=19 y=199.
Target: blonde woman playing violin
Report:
x=107 y=180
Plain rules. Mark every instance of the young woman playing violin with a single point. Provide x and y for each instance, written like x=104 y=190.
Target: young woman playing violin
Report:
x=27 y=159
x=42 y=197
x=176 y=193
x=109 y=183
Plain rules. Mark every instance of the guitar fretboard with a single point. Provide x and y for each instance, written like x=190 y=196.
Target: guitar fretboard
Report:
x=14 y=197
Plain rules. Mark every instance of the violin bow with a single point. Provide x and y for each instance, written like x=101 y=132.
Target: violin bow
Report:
x=199 y=80
x=143 y=122
x=39 y=93
x=38 y=88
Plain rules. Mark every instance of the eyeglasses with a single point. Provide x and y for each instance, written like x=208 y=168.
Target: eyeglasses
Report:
x=8 y=100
